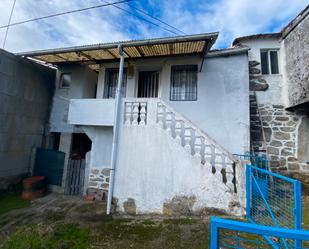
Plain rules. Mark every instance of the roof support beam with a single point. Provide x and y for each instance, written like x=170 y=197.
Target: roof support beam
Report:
x=140 y=51
x=80 y=53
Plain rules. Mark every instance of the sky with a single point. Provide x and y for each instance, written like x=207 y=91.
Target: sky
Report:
x=231 y=18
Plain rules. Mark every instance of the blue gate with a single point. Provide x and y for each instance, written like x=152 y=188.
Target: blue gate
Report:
x=273 y=203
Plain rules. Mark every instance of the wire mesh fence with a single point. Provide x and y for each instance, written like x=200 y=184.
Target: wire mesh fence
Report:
x=255 y=160
x=241 y=235
x=273 y=199
x=243 y=240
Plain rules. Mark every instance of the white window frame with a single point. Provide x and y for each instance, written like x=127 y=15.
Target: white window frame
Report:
x=61 y=81
x=269 y=60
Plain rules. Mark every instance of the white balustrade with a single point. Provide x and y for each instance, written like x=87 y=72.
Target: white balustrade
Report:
x=135 y=113
x=206 y=151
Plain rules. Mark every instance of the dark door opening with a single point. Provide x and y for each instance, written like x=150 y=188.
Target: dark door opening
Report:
x=81 y=144
x=148 y=84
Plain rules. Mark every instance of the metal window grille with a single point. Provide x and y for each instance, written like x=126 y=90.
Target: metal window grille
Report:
x=184 y=83
x=148 y=85
x=111 y=81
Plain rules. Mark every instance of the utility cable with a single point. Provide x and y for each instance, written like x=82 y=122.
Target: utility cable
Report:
x=65 y=13
x=7 y=28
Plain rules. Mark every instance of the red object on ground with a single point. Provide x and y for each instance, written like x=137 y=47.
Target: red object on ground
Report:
x=33 y=187
x=89 y=198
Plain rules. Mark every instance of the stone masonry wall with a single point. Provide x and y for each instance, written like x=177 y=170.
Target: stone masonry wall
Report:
x=297 y=64
x=98 y=183
x=281 y=129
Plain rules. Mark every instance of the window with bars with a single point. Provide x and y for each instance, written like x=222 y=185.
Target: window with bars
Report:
x=270 y=61
x=111 y=80
x=184 y=83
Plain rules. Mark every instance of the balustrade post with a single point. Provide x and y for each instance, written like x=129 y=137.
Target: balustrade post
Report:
x=128 y=113
x=143 y=113
x=168 y=122
x=187 y=138
x=198 y=148
x=160 y=113
x=178 y=129
x=135 y=113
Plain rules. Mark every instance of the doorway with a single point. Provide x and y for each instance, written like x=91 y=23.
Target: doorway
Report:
x=80 y=145
x=148 y=84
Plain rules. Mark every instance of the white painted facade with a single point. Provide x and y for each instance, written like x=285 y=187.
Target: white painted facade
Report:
x=276 y=93
x=152 y=167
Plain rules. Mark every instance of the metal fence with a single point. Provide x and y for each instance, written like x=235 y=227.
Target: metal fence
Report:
x=274 y=210
x=75 y=177
x=272 y=199
x=235 y=234
x=256 y=160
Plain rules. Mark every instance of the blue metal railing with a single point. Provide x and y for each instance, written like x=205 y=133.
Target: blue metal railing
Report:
x=235 y=234
x=273 y=202
x=256 y=160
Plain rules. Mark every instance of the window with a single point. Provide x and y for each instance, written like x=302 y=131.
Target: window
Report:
x=184 y=83
x=65 y=80
x=111 y=80
x=269 y=61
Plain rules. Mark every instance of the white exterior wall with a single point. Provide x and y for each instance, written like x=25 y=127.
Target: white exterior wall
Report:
x=276 y=93
x=83 y=83
x=222 y=83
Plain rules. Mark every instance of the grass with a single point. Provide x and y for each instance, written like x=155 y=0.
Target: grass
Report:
x=39 y=237
x=10 y=202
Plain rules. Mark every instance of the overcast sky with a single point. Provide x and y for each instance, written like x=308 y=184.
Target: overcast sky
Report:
x=232 y=18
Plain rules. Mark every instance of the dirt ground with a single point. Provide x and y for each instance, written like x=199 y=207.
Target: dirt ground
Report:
x=67 y=222
x=72 y=219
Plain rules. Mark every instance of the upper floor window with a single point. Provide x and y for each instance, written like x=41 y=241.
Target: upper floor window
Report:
x=270 y=61
x=111 y=80
x=184 y=82
x=65 y=80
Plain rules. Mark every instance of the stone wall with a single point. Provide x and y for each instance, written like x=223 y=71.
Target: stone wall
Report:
x=297 y=64
x=281 y=131
x=98 y=183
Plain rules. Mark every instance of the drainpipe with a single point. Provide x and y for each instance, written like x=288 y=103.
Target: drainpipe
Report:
x=115 y=131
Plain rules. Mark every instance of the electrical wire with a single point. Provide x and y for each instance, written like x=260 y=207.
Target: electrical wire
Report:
x=155 y=18
x=7 y=29
x=65 y=13
x=144 y=19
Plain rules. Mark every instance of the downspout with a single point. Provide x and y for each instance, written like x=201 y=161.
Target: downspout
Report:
x=115 y=132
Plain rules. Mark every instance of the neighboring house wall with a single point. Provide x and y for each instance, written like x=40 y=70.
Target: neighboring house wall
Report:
x=296 y=47
x=26 y=90
x=281 y=128
x=83 y=85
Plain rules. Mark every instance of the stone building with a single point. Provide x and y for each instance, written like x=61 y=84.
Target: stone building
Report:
x=279 y=94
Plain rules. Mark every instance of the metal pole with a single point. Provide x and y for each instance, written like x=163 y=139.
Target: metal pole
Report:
x=115 y=131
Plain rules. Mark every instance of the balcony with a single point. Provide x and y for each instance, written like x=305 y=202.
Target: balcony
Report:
x=96 y=112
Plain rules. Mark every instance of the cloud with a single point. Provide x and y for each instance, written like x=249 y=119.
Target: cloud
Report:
x=232 y=18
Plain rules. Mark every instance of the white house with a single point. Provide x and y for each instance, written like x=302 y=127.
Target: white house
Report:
x=165 y=144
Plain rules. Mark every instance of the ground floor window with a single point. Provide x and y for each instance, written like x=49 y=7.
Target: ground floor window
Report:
x=183 y=83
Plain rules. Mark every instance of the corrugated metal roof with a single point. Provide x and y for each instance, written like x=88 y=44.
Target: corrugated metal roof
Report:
x=98 y=53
